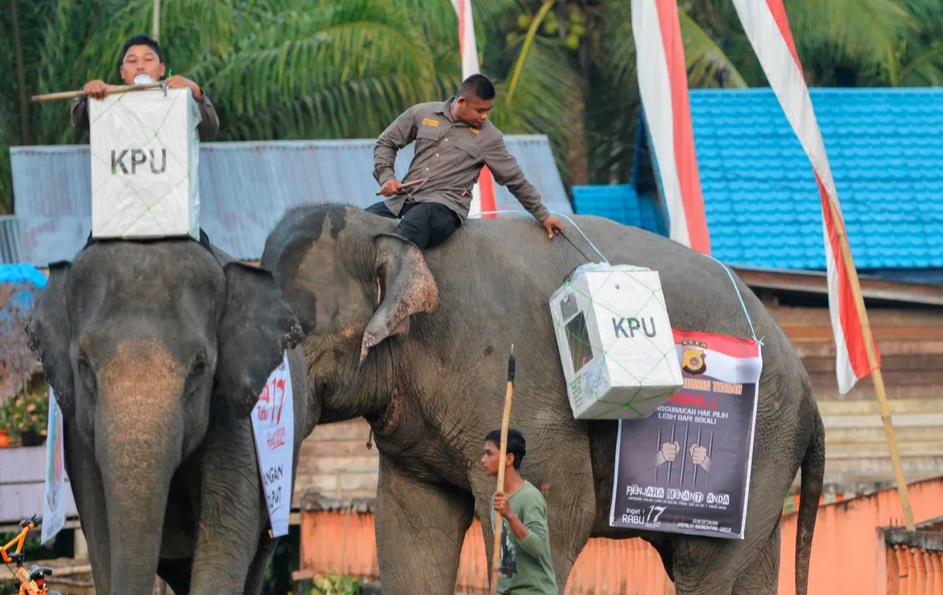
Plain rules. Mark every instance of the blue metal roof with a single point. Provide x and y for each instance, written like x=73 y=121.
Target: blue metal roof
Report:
x=621 y=203
x=763 y=209
x=245 y=188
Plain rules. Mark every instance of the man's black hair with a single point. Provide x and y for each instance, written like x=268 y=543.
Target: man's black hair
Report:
x=478 y=85
x=516 y=444
x=140 y=40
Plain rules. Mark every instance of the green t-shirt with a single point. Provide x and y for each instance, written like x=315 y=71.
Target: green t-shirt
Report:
x=526 y=568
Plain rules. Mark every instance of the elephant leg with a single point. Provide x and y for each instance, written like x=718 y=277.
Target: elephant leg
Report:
x=89 y=493
x=176 y=573
x=707 y=566
x=231 y=512
x=263 y=556
x=420 y=529
x=762 y=577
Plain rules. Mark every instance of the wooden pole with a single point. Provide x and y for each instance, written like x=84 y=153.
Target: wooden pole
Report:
x=498 y=520
x=112 y=91
x=902 y=490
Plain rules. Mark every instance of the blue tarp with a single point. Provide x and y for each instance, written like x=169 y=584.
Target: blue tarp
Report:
x=29 y=280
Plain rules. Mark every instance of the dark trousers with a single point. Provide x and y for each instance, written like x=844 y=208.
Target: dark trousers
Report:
x=426 y=224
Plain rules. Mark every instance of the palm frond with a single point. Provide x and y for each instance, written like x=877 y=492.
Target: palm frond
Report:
x=707 y=64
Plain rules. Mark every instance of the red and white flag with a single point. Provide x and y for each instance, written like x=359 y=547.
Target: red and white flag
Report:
x=483 y=192
x=765 y=23
x=663 y=83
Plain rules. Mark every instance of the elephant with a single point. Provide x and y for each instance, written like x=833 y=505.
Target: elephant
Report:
x=415 y=343
x=157 y=352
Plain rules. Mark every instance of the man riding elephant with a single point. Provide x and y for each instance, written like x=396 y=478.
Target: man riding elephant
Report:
x=454 y=140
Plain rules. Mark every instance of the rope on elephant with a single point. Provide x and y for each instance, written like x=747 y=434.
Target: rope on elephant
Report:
x=739 y=297
x=565 y=216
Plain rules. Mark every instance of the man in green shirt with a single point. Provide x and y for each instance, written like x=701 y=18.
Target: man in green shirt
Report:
x=526 y=567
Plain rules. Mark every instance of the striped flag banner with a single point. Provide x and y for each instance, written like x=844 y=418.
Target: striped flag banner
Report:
x=663 y=83
x=483 y=191
x=767 y=27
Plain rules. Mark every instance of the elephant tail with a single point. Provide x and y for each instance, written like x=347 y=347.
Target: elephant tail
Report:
x=813 y=474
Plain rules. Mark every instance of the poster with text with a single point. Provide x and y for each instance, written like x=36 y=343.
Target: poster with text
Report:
x=273 y=423
x=686 y=467
x=55 y=496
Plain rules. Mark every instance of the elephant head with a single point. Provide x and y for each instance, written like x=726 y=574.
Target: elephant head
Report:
x=353 y=286
x=138 y=340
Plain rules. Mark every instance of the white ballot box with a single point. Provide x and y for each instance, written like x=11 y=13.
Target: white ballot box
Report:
x=145 y=154
x=615 y=342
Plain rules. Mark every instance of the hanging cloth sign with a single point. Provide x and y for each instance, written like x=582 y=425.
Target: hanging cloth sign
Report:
x=273 y=424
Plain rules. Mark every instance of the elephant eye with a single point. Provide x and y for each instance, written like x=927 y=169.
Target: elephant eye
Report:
x=196 y=374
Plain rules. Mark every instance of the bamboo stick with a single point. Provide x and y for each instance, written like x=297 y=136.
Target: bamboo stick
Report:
x=112 y=91
x=876 y=376
x=498 y=520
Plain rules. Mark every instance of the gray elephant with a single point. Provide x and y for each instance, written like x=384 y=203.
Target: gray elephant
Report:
x=157 y=352
x=417 y=346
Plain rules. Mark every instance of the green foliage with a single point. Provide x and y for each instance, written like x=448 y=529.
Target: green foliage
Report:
x=27 y=412
x=333 y=584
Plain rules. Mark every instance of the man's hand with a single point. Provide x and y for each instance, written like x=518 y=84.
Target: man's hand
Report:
x=179 y=82
x=552 y=225
x=501 y=505
x=390 y=188
x=96 y=89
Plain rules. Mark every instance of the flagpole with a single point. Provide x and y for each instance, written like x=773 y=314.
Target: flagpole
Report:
x=903 y=490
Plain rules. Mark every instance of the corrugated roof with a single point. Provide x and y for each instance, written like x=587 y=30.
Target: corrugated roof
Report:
x=619 y=202
x=9 y=240
x=245 y=188
x=763 y=209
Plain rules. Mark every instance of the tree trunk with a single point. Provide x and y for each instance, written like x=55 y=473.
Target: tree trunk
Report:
x=577 y=161
x=25 y=133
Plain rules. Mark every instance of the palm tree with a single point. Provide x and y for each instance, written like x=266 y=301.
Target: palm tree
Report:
x=279 y=69
x=849 y=43
x=275 y=68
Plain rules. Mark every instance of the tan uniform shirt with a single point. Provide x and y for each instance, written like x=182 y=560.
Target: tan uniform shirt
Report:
x=208 y=127
x=450 y=155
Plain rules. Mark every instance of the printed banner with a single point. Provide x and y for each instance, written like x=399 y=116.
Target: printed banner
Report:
x=686 y=467
x=54 y=502
x=273 y=423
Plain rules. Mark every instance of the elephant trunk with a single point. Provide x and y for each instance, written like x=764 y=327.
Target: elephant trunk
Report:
x=138 y=446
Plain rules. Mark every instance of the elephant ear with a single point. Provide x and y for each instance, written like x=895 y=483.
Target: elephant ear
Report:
x=254 y=332
x=407 y=288
x=50 y=335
